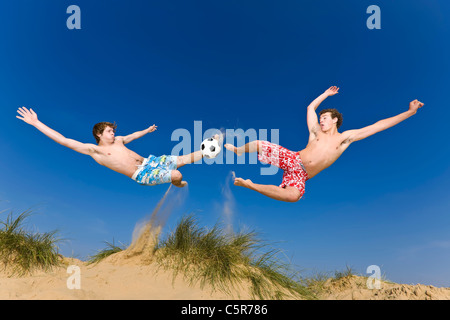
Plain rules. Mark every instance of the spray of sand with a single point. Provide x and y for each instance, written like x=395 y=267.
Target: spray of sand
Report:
x=146 y=231
x=229 y=203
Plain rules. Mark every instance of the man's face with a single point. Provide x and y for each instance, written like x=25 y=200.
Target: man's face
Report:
x=107 y=135
x=326 y=122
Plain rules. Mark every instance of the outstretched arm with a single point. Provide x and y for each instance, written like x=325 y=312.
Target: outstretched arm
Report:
x=359 y=134
x=30 y=117
x=311 y=116
x=138 y=134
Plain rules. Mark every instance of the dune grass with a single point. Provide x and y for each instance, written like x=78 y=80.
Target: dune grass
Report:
x=222 y=260
x=22 y=251
x=322 y=284
x=110 y=249
x=318 y=282
x=226 y=261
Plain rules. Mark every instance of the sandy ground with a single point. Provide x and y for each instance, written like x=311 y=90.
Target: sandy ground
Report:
x=105 y=280
x=130 y=274
x=127 y=278
x=356 y=288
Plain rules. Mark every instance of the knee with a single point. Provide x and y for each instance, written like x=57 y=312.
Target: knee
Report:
x=294 y=196
x=176 y=176
x=258 y=145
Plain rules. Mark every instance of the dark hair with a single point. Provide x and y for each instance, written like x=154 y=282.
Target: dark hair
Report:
x=100 y=127
x=334 y=114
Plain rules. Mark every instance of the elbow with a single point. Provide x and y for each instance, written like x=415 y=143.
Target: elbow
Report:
x=64 y=142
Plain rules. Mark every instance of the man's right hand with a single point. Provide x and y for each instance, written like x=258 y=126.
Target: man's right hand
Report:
x=152 y=128
x=29 y=116
x=331 y=91
x=415 y=105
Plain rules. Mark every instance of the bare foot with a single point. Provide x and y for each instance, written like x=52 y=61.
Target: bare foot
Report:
x=218 y=137
x=181 y=184
x=233 y=148
x=242 y=183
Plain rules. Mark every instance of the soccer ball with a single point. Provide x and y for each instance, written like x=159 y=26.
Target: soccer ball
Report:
x=210 y=148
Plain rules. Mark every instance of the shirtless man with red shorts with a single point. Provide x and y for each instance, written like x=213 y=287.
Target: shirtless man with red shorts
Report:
x=324 y=147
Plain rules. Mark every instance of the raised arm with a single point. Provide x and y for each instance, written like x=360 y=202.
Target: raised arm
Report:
x=30 y=117
x=311 y=115
x=359 y=134
x=138 y=134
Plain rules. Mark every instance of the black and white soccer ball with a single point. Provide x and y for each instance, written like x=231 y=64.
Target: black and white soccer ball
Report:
x=210 y=148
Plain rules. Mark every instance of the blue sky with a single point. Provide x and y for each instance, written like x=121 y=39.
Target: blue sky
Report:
x=236 y=64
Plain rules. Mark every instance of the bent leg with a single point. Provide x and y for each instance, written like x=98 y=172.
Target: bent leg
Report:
x=288 y=194
x=177 y=179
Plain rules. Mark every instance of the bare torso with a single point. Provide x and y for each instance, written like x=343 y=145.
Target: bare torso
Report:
x=322 y=151
x=117 y=157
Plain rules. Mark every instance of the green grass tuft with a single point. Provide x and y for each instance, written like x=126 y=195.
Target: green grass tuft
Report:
x=347 y=273
x=22 y=251
x=225 y=261
x=110 y=249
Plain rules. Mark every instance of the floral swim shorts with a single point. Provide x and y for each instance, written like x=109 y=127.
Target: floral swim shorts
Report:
x=294 y=173
x=155 y=170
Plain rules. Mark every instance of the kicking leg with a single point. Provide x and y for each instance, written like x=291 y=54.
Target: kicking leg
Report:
x=288 y=194
x=189 y=158
x=253 y=146
x=192 y=157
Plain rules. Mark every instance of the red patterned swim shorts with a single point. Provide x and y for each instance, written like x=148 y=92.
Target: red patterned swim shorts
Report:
x=294 y=173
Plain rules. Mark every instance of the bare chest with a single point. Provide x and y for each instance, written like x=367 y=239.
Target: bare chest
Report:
x=326 y=145
x=321 y=152
x=117 y=154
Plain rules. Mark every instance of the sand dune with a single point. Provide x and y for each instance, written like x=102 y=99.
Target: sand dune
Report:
x=130 y=274
x=355 y=288
x=106 y=280
x=119 y=277
x=133 y=274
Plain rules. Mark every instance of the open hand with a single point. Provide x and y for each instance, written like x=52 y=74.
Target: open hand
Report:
x=331 y=91
x=152 y=128
x=414 y=105
x=29 y=116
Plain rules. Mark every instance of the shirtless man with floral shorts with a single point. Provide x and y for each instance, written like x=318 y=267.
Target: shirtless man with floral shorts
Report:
x=110 y=151
x=324 y=147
